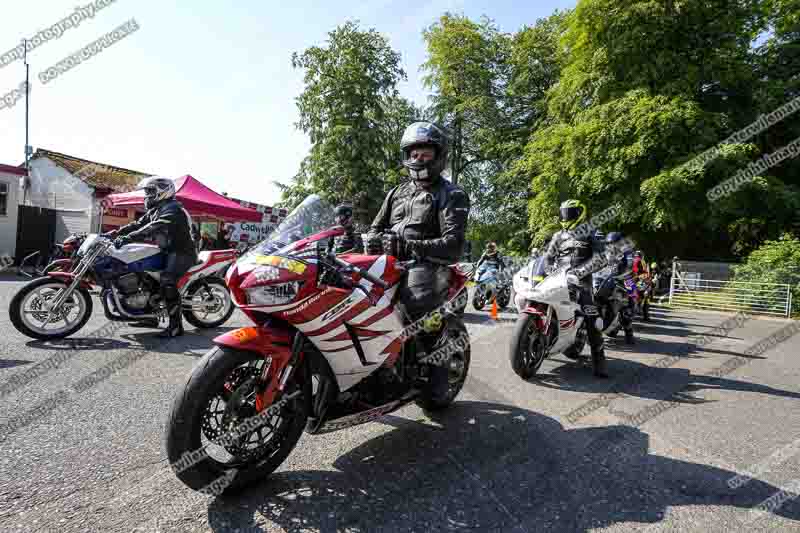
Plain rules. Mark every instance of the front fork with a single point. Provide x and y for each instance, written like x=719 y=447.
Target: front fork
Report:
x=270 y=384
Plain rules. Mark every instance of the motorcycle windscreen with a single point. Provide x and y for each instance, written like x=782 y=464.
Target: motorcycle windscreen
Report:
x=539 y=269
x=310 y=217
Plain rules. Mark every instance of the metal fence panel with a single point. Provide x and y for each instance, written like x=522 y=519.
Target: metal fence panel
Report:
x=713 y=286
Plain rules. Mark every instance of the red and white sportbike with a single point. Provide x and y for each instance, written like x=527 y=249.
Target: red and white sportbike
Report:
x=331 y=348
x=550 y=320
x=58 y=304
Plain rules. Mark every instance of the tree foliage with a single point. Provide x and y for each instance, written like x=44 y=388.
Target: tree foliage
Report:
x=610 y=103
x=352 y=112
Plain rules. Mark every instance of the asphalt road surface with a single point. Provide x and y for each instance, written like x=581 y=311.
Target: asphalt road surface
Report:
x=509 y=455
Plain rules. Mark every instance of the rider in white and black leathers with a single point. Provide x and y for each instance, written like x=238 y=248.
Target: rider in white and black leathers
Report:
x=574 y=250
x=170 y=225
x=424 y=218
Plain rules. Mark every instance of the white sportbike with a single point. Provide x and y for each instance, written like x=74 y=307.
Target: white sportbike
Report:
x=550 y=319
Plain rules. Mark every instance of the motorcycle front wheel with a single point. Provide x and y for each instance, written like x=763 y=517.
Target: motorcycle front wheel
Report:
x=30 y=315
x=503 y=298
x=218 y=398
x=477 y=301
x=528 y=347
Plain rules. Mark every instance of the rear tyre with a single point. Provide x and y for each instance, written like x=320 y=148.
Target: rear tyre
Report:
x=527 y=350
x=216 y=398
x=214 y=307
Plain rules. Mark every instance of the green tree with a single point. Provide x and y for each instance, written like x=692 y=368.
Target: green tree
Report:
x=351 y=110
x=645 y=87
x=489 y=90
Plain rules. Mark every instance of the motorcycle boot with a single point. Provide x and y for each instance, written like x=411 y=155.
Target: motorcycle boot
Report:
x=600 y=369
x=145 y=323
x=434 y=339
x=173 y=301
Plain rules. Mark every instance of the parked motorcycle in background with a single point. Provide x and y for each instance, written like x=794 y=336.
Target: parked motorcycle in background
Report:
x=550 y=319
x=62 y=257
x=644 y=287
x=490 y=284
x=59 y=304
x=613 y=300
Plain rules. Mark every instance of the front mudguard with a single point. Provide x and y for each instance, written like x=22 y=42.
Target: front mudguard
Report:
x=275 y=341
x=68 y=277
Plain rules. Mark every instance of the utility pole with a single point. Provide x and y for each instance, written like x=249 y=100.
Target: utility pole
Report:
x=28 y=150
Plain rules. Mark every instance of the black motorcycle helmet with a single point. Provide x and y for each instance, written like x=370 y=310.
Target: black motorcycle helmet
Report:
x=421 y=134
x=614 y=236
x=344 y=215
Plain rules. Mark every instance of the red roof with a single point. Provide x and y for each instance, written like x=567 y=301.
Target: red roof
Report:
x=8 y=169
x=197 y=199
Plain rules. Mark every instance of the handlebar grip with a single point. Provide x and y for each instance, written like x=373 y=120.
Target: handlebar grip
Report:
x=363 y=273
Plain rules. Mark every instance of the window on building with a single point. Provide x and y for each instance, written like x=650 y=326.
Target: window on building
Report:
x=3 y=199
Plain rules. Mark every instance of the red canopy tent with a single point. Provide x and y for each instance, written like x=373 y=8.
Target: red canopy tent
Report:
x=197 y=199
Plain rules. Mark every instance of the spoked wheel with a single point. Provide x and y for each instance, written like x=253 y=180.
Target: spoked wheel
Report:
x=31 y=307
x=215 y=428
x=528 y=347
x=208 y=308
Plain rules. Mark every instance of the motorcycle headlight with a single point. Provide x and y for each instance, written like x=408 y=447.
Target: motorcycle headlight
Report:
x=278 y=294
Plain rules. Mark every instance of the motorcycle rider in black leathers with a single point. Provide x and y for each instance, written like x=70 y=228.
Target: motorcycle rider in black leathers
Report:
x=573 y=249
x=351 y=241
x=170 y=225
x=424 y=218
x=620 y=263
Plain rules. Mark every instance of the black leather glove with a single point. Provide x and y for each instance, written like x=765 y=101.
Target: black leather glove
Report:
x=374 y=244
x=393 y=244
x=119 y=242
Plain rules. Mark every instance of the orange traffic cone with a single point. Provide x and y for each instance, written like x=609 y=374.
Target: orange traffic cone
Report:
x=494 y=308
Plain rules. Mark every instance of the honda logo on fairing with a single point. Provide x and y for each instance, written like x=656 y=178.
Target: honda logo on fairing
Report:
x=337 y=309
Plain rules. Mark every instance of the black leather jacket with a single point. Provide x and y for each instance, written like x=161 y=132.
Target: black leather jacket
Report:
x=436 y=217
x=575 y=253
x=169 y=224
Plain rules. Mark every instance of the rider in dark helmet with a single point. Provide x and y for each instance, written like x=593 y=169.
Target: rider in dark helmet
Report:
x=170 y=225
x=351 y=241
x=619 y=259
x=573 y=249
x=424 y=218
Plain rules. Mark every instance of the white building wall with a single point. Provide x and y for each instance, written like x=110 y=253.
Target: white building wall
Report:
x=54 y=187
x=8 y=223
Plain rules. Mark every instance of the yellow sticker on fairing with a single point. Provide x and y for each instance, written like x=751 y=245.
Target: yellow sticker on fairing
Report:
x=281 y=262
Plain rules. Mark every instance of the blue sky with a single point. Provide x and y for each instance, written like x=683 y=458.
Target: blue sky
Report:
x=204 y=88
